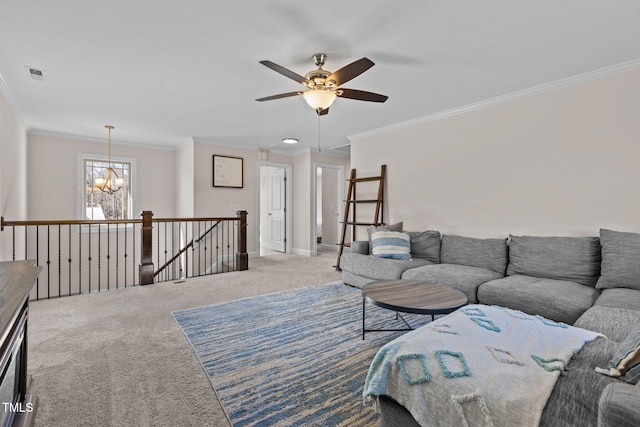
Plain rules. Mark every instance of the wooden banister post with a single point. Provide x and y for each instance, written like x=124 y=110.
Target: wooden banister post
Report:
x=145 y=269
x=242 y=257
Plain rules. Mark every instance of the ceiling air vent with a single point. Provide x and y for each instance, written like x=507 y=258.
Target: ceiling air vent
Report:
x=35 y=73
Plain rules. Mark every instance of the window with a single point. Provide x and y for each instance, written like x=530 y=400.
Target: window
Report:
x=99 y=205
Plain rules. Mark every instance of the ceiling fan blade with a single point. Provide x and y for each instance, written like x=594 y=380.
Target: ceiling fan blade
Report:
x=350 y=71
x=285 y=72
x=281 y=95
x=322 y=112
x=361 y=95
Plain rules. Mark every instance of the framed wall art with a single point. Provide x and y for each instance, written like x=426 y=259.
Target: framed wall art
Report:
x=228 y=171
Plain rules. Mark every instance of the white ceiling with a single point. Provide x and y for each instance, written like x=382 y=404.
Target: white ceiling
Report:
x=166 y=72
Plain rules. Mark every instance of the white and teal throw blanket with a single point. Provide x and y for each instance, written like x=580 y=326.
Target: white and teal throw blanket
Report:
x=479 y=366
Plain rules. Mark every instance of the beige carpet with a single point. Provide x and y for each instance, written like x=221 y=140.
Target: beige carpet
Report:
x=118 y=358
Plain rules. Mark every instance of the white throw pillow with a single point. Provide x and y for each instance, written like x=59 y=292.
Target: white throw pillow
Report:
x=390 y=244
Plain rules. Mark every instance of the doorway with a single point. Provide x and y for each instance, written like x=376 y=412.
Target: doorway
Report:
x=274 y=201
x=328 y=206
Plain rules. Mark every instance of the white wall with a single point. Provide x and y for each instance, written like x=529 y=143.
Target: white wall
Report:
x=13 y=171
x=53 y=168
x=38 y=177
x=184 y=159
x=304 y=173
x=561 y=162
x=328 y=195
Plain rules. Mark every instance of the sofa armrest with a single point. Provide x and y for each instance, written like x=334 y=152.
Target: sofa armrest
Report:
x=618 y=406
x=360 y=247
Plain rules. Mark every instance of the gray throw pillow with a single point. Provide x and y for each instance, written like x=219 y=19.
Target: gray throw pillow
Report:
x=425 y=244
x=576 y=259
x=620 y=260
x=483 y=253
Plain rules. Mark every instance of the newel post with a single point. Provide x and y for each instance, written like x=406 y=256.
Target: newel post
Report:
x=242 y=257
x=145 y=270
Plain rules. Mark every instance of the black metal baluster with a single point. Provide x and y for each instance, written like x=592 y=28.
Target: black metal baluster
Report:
x=218 y=234
x=13 y=239
x=89 y=249
x=199 y=250
x=134 y=255
x=186 y=263
x=158 y=243
x=99 y=257
x=126 y=234
x=193 y=255
x=69 y=259
x=37 y=260
x=108 y=256
x=229 y=243
x=117 y=254
x=209 y=244
x=79 y=258
x=49 y=261
x=183 y=265
x=59 y=260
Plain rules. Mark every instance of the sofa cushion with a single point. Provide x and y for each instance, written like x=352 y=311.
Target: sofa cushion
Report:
x=620 y=260
x=461 y=277
x=576 y=259
x=619 y=298
x=425 y=244
x=614 y=323
x=360 y=247
x=483 y=253
x=618 y=406
x=390 y=244
x=355 y=280
x=559 y=300
x=574 y=399
x=378 y=268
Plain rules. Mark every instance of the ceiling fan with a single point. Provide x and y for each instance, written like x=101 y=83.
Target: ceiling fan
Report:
x=323 y=86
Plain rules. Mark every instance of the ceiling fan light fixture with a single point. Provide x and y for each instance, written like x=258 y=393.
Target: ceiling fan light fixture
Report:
x=290 y=140
x=319 y=98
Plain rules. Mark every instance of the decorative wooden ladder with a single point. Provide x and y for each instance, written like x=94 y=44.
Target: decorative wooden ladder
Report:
x=349 y=218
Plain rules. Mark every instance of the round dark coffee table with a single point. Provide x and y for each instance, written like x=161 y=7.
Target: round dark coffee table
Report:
x=410 y=296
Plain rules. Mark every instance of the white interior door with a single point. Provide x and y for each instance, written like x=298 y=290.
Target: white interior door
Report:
x=277 y=211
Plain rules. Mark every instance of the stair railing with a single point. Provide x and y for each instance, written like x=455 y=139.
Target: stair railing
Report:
x=82 y=256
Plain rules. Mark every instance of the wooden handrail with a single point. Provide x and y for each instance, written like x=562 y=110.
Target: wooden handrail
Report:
x=4 y=223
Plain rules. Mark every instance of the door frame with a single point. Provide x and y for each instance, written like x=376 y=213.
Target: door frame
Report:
x=339 y=202
x=288 y=202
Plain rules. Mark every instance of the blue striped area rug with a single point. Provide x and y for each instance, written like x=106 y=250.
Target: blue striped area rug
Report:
x=294 y=358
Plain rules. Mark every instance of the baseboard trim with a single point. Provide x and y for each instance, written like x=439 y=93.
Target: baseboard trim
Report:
x=302 y=252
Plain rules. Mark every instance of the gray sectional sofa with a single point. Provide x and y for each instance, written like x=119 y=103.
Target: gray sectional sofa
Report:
x=589 y=282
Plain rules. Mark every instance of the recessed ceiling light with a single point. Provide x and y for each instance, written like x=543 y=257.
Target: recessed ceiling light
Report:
x=290 y=140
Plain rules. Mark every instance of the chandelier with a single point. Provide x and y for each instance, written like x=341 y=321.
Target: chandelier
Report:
x=111 y=182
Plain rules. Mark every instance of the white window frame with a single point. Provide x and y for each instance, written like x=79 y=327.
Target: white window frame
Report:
x=80 y=201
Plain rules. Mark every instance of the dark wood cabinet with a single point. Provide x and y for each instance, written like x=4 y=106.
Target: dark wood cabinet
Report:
x=17 y=406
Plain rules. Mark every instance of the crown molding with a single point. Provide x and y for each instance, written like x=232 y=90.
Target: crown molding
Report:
x=61 y=135
x=524 y=93
x=5 y=91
